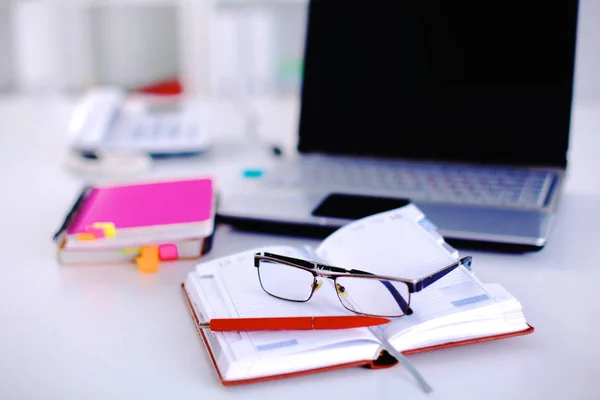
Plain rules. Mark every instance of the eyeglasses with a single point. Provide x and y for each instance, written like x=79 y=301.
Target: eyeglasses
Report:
x=359 y=291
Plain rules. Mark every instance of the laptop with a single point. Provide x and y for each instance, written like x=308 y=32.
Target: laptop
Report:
x=462 y=108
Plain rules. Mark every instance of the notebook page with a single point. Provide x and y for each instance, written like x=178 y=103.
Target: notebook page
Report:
x=392 y=243
x=499 y=313
x=235 y=279
x=121 y=242
x=457 y=292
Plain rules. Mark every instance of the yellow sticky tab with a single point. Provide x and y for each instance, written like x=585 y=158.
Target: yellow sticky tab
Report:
x=108 y=228
x=85 y=236
x=130 y=250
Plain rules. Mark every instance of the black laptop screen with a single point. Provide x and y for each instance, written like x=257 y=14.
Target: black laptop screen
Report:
x=460 y=80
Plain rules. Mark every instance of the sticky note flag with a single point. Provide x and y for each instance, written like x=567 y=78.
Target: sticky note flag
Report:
x=147 y=266
x=148 y=260
x=150 y=251
x=168 y=252
x=131 y=250
x=108 y=228
x=98 y=233
x=85 y=236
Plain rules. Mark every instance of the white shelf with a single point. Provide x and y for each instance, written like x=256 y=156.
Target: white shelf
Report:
x=120 y=3
x=260 y=2
x=87 y=55
x=218 y=3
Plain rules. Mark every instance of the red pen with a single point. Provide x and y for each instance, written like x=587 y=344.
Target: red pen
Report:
x=291 y=323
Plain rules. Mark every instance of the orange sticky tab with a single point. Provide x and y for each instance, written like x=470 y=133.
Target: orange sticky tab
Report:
x=146 y=265
x=148 y=261
x=85 y=236
x=150 y=251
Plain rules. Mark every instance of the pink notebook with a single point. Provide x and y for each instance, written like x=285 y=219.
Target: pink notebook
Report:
x=146 y=205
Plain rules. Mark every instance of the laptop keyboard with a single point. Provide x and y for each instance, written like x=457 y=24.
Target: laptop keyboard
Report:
x=456 y=184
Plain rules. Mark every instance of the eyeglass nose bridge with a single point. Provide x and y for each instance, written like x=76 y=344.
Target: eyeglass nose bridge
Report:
x=317 y=285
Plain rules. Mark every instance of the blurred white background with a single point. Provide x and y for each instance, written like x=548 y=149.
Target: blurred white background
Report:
x=215 y=47
x=587 y=71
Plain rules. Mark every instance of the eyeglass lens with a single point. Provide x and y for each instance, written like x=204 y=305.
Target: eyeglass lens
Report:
x=284 y=281
x=369 y=296
x=373 y=296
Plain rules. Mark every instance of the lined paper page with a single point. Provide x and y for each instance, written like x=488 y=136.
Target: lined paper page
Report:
x=395 y=244
x=457 y=292
x=458 y=312
x=391 y=243
x=236 y=280
x=240 y=281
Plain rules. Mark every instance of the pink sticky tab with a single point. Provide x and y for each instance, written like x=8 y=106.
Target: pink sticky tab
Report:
x=98 y=233
x=168 y=252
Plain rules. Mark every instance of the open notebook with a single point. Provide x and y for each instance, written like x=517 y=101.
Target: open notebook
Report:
x=458 y=309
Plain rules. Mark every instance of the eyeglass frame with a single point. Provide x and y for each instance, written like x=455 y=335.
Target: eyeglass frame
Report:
x=328 y=271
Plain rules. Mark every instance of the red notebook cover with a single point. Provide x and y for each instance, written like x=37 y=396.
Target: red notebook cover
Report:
x=385 y=360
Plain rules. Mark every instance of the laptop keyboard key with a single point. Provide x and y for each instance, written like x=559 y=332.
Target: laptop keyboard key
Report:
x=457 y=184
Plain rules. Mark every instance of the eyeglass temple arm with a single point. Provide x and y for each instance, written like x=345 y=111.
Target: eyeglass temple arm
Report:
x=314 y=265
x=297 y=261
x=309 y=264
x=391 y=288
x=424 y=282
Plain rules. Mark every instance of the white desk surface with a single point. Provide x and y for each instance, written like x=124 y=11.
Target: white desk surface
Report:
x=108 y=332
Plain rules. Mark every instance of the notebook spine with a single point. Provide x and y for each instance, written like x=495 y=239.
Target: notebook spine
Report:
x=60 y=234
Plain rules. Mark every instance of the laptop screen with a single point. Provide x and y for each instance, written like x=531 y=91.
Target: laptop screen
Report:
x=461 y=80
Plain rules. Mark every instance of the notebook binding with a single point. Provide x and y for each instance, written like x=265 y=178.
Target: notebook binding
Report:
x=61 y=234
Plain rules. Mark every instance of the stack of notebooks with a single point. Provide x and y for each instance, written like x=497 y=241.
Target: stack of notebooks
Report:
x=456 y=310
x=111 y=224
